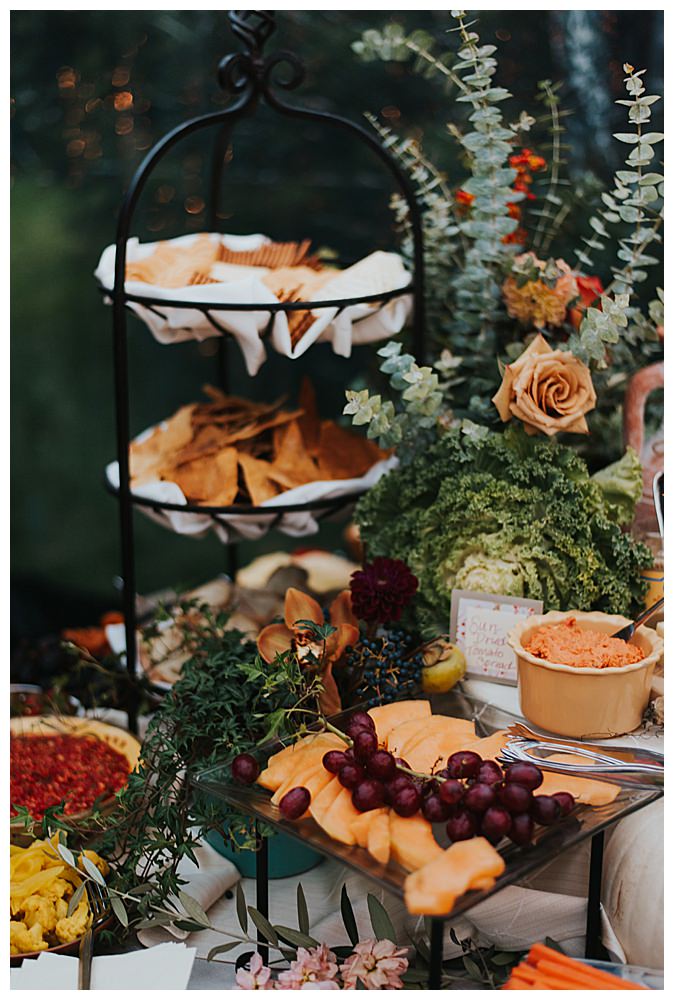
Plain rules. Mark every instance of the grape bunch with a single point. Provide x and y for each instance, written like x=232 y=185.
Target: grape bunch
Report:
x=471 y=796
x=388 y=667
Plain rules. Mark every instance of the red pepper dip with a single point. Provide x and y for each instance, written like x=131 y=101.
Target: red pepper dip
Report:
x=46 y=770
x=569 y=644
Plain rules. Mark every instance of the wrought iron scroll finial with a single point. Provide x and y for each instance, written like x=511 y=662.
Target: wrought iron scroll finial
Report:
x=251 y=71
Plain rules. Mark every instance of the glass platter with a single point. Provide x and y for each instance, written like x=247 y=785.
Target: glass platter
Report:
x=579 y=825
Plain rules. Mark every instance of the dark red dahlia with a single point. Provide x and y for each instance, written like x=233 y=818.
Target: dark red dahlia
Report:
x=381 y=590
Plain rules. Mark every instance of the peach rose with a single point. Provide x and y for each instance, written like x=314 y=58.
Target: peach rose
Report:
x=547 y=390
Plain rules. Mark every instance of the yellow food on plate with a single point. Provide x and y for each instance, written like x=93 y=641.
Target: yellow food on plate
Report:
x=569 y=644
x=40 y=889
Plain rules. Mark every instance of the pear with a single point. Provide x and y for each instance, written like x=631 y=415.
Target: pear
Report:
x=444 y=666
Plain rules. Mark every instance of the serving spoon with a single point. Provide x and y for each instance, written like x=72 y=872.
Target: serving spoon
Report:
x=628 y=631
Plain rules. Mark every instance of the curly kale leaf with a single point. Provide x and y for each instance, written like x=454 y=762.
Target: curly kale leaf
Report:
x=504 y=513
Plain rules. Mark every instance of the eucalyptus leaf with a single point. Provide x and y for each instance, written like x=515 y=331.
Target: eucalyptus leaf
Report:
x=91 y=869
x=297 y=938
x=241 y=911
x=66 y=854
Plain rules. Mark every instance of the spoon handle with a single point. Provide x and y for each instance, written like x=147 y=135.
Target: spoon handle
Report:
x=648 y=613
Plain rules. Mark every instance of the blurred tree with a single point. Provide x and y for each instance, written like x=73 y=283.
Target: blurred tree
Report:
x=91 y=92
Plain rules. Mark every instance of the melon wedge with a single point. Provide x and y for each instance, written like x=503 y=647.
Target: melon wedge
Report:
x=281 y=764
x=378 y=837
x=325 y=798
x=304 y=765
x=412 y=842
x=387 y=717
x=338 y=820
x=361 y=826
x=433 y=751
x=434 y=889
x=489 y=747
x=589 y=791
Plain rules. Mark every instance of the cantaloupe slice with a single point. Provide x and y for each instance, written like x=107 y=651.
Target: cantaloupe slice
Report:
x=338 y=820
x=489 y=747
x=281 y=764
x=412 y=842
x=387 y=717
x=379 y=838
x=325 y=798
x=406 y=732
x=451 y=734
x=305 y=766
x=361 y=826
x=433 y=751
x=434 y=889
x=589 y=791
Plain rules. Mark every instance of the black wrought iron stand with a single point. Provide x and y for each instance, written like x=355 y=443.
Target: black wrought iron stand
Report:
x=251 y=78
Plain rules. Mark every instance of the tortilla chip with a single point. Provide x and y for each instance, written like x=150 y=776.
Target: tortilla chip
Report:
x=256 y=477
x=147 y=457
x=292 y=461
x=310 y=422
x=227 y=462
x=343 y=454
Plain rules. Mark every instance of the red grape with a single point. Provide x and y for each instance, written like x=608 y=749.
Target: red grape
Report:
x=479 y=798
x=406 y=800
x=515 y=798
x=490 y=773
x=382 y=765
x=451 y=791
x=434 y=809
x=245 y=769
x=464 y=764
x=400 y=762
x=522 y=829
x=461 y=826
x=566 y=801
x=295 y=803
x=391 y=787
x=369 y=794
x=349 y=755
x=430 y=787
x=546 y=810
x=360 y=720
x=524 y=774
x=496 y=823
x=351 y=774
x=364 y=744
x=444 y=773
x=333 y=760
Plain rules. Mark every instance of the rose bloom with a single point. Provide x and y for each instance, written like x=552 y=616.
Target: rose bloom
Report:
x=377 y=964
x=537 y=303
x=547 y=390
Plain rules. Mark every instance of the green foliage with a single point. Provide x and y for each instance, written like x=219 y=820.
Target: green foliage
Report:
x=636 y=199
x=420 y=404
x=505 y=513
x=227 y=700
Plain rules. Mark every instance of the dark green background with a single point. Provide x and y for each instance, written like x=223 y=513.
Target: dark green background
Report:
x=73 y=153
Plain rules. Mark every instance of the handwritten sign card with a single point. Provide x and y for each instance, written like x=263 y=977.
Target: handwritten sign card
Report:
x=479 y=626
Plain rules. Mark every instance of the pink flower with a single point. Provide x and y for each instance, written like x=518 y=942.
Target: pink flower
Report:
x=256 y=977
x=314 y=968
x=377 y=964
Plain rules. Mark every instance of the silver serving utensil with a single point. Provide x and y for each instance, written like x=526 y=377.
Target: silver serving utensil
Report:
x=98 y=909
x=628 y=631
x=599 y=765
x=628 y=755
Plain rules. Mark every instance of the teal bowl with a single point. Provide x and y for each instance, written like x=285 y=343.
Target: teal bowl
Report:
x=287 y=856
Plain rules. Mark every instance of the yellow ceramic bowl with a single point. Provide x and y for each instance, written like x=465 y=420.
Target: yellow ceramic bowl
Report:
x=584 y=701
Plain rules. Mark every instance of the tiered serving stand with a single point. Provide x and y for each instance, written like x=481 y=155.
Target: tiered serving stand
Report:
x=251 y=78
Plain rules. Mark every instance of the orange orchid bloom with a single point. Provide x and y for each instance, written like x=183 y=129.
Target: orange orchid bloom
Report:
x=310 y=650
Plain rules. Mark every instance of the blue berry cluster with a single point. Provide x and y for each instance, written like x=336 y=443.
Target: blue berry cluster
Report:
x=389 y=667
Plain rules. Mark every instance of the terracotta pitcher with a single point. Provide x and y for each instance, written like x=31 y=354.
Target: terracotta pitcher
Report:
x=651 y=452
